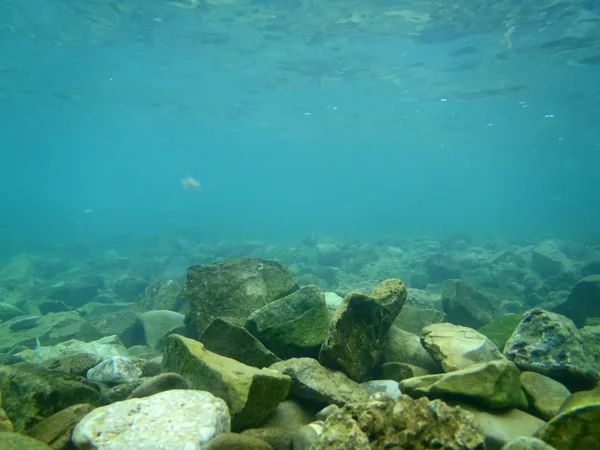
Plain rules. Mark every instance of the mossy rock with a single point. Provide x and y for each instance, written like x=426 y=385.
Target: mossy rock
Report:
x=500 y=330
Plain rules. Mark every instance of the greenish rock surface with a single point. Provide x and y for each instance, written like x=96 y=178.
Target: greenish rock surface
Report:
x=357 y=334
x=156 y=323
x=251 y=393
x=236 y=342
x=293 y=326
x=583 y=302
x=56 y=430
x=456 y=347
x=31 y=393
x=493 y=384
x=414 y=319
x=576 y=425
x=501 y=329
x=550 y=344
x=527 y=443
x=398 y=371
x=8 y=311
x=234 y=441
x=16 y=441
x=165 y=295
x=502 y=425
x=544 y=394
x=466 y=306
x=315 y=383
x=233 y=290
x=403 y=423
x=404 y=347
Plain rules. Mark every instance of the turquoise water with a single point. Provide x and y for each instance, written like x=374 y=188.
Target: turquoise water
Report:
x=348 y=119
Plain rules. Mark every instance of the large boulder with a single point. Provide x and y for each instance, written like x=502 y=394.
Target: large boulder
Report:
x=550 y=344
x=233 y=290
x=357 y=334
x=465 y=305
x=583 y=301
x=293 y=326
x=544 y=394
x=250 y=393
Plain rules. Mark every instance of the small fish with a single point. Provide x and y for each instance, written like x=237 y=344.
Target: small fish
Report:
x=190 y=183
x=87 y=211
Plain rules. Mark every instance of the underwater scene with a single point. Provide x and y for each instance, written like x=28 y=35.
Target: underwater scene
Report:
x=299 y=225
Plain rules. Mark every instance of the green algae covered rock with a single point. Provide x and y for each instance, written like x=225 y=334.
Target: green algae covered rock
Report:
x=293 y=326
x=576 y=425
x=250 y=393
x=16 y=441
x=31 y=393
x=357 y=335
x=501 y=329
x=233 y=290
x=493 y=384
x=403 y=423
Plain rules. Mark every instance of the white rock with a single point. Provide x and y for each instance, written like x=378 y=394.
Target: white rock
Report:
x=115 y=370
x=171 y=420
x=333 y=300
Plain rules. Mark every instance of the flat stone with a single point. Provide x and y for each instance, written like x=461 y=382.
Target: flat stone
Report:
x=171 y=420
x=545 y=395
x=457 y=347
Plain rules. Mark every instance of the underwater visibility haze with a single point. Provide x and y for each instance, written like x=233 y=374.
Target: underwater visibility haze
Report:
x=351 y=193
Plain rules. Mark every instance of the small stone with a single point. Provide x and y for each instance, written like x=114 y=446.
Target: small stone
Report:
x=25 y=323
x=115 y=370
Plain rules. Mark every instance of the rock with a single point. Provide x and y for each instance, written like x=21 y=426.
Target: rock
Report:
x=308 y=436
x=404 y=347
x=193 y=418
x=492 y=384
x=8 y=312
x=289 y=414
x=400 y=371
x=233 y=290
x=583 y=301
x=23 y=323
x=56 y=430
x=159 y=383
x=414 y=319
x=499 y=330
x=457 y=347
x=315 y=383
x=388 y=387
x=31 y=393
x=103 y=348
x=549 y=261
x=527 y=443
x=501 y=426
x=234 y=441
x=401 y=423
x=5 y=423
x=78 y=292
x=16 y=441
x=544 y=394
x=327 y=411
x=76 y=364
x=466 y=306
x=130 y=287
x=550 y=344
x=275 y=437
x=293 y=326
x=116 y=370
x=157 y=323
x=333 y=301
x=576 y=425
x=163 y=295
x=250 y=393
x=442 y=267
x=237 y=343
x=355 y=341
